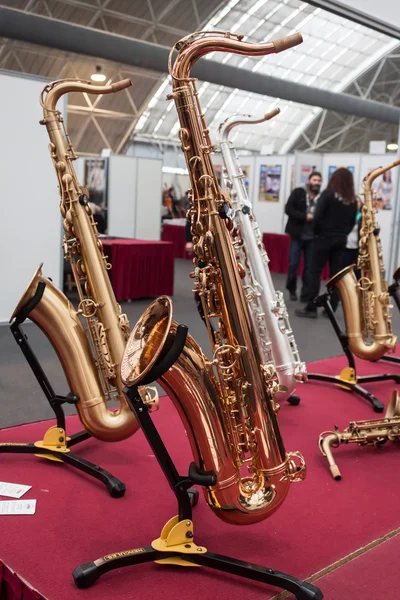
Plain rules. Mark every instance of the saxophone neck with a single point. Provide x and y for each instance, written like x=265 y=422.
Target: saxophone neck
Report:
x=53 y=91
x=236 y=120
x=370 y=178
x=196 y=45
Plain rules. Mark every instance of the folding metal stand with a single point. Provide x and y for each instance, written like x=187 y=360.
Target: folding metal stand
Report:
x=55 y=445
x=348 y=378
x=176 y=544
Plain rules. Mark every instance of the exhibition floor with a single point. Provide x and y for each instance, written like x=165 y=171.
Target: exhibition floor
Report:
x=322 y=525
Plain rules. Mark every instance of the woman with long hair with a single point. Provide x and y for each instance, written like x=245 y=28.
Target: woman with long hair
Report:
x=334 y=218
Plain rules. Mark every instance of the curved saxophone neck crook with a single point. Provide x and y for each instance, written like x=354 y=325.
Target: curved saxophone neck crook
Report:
x=192 y=47
x=370 y=178
x=53 y=91
x=235 y=120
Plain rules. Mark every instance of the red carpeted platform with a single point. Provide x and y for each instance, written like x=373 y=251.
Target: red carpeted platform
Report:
x=320 y=523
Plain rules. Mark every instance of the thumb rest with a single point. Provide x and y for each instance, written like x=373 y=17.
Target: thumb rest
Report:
x=364 y=433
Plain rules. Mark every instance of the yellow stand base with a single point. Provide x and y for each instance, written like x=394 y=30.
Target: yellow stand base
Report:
x=177 y=536
x=55 y=440
x=347 y=375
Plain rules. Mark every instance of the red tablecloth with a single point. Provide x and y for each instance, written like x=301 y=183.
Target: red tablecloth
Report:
x=176 y=235
x=140 y=269
x=277 y=246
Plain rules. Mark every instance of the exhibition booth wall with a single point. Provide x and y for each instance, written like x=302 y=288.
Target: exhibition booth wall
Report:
x=31 y=231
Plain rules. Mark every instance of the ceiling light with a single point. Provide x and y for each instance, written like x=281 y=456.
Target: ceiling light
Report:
x=98 y=76
x=392 y=146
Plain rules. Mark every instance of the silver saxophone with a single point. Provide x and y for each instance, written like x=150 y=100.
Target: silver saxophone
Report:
x=269 y=314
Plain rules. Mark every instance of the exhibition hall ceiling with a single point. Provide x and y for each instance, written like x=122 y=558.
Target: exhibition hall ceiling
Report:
x=336 y=55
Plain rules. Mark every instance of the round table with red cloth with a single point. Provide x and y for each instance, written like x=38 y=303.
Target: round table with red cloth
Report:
x=277 y=246
x=140 y=268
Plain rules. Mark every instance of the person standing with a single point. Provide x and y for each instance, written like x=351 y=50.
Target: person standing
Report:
x=334 y=218
x=300 y=209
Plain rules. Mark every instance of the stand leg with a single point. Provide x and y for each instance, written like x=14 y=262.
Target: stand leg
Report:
x=115 y=487
x=351 y=387
x=294 y=400
x=87 y=574
x=392 y=359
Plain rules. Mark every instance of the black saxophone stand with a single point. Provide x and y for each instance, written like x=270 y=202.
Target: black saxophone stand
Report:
x=176 y=545
x=348 y=378
x=55 y=445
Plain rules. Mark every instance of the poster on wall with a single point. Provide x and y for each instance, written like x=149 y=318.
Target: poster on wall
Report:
x=96 y=183
x=270 y=183
x=383 y=188
x=332 y=169
x=305 y=172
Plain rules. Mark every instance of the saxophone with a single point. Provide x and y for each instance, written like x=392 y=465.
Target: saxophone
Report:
x=364 y=433
x=91 y=367
x=366 y=305
x=227 y=403
x=275 y=337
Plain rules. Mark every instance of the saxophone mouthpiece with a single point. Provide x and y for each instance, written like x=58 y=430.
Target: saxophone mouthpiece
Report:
x=288 y=42
x=121 y=85
x=272 y=114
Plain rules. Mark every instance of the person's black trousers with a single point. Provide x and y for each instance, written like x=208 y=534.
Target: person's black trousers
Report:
x=297 y=248
x=324 y=250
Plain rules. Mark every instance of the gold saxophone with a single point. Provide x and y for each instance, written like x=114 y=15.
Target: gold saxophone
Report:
x=366 y=305
x=364 y=433
x=226 y=404
x=92 y=368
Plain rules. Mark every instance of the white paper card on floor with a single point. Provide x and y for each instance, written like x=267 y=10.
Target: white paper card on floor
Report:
x=13 y=490
x=17 y=507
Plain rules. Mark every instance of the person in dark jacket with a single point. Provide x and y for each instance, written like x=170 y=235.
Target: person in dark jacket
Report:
x=300 y=209
x=334 y=218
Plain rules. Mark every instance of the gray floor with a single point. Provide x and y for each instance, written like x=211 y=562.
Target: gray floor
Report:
x=22 y=401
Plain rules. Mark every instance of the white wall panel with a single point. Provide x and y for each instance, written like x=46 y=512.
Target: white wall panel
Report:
x=122 y=177
x=148 y=198
x=29 y=202
x=134 y=197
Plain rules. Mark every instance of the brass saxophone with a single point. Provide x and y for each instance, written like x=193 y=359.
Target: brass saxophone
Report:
x=364 y=433
x=226 y=404
x=267 y=306
x=91 y=368
x=366 y=305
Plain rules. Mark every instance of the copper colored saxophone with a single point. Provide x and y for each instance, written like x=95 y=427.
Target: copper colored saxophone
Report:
x=364 y=433
x=92 y=368
x=366 y=303
x=226 y=403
